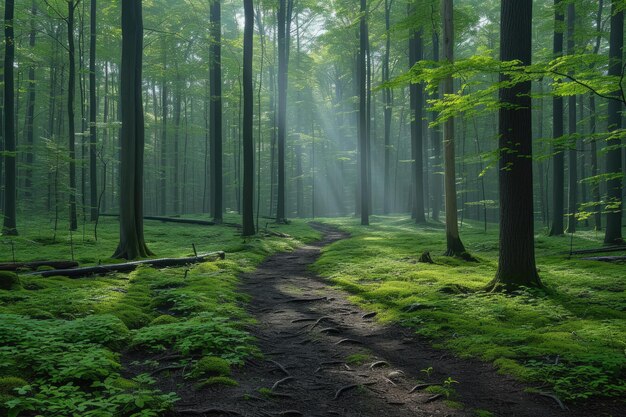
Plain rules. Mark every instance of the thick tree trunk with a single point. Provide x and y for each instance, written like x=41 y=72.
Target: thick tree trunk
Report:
x=454 y=245
x=216 y=111
x=163 y=145
x=573 y=151
x=363 y=133
x=132 y=243
x=436 y=144
x=613 y=231
x=516 y=264
x=9 y=226
x=283 y=57
x=387 y=97
x=93 y=140
x=558 y=161
x=247 y=122
x=71 y=89
x=30 y=110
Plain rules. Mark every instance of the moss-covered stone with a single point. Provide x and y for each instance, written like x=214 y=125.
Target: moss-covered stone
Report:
x=8 y=384
x=211 y=366
x=9 y=281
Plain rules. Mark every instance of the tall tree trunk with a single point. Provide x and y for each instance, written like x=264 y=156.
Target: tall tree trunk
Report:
x=30 y=109
x=454 y=245
x=9 y=226
x=516 y=264
x=216 y=111
x=363 y=133
x=93 y=140
x=613 y=231
x=164 y=108
x=247 y=122
x=558 y=162
x=132 y=243
x=283 y=59
x=387 y=97
x=178 y=99
x=71 y=91
x=435 y=134
x=573 y=151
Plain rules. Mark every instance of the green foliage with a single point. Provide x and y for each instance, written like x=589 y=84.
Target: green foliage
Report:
x=163 y=319
x=211 y=366
x=570 y=337
x=217 y=380
x=358 y=358
x=9 y=281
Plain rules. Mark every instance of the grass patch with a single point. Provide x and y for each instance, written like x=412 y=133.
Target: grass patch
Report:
x=571 y=337
x=65 y=337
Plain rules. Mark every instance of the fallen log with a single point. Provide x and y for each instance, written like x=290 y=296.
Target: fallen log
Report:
x=606 y=258
x=34 y=265
x=128 y=266
x=170 y=220
x=598 y=250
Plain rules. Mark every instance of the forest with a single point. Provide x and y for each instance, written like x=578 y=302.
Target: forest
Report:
x=312 y=208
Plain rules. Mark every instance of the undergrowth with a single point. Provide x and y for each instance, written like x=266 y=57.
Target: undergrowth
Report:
x=63 y=340
x=569 y=339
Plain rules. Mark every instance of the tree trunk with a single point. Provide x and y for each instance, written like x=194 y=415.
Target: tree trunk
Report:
x=71 y=87
x=436 y=144
x=132 y=243
x=247 y=122
x=163 y=170
x=216 y=111
x=363 y=133
x=454 y=245
x=558 y=162
x=516 y=264
x=9 y=226
x=387 y=97
x=416 y=54
x=30 y=110
x=613 y=231
x=573 y=151
x=93 y=140
x=283 y=56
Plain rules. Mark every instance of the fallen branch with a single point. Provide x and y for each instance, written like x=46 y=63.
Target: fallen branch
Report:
x=282 y=381
x=555 y=398
x=179 y=220
x=420 y=387
x=128 y=266
x=34 y=265
x=606 y=258
x=279 y=366
x=204 y=411
x=597 y=250
x=349 y=387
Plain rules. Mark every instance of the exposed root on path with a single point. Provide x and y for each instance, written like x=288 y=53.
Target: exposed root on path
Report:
x=282 y=381
x=279 y=366
x=204 y=411
x=349 y=387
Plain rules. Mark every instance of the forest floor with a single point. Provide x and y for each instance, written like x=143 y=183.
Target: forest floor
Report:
x=325 y=356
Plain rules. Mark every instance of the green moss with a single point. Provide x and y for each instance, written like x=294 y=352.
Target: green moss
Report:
x=131 y=316
x=163 y=319
x=483 y=413
x=266 y=392
x=217 y=380
x=454 y=404
x=8 y=385
x=125 y=384
x=211 y=366
x=9 y=281
x=358 y=358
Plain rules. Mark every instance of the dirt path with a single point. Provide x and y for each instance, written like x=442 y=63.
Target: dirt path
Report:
x=308 y=329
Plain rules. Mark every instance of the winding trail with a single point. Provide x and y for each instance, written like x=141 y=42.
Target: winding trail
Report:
x=306 y=331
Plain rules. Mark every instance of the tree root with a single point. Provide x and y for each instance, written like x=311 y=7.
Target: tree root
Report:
x=369 y=315
x=329 y=330
x=301 y=320
x=282 y=381
x=555 y=398
x=433 y=398
x=349 y=387
x=319 y=321
x=167 y=368
x=348 y=341
x=279 y=366
x=200 y=412
x=420 y=387
x=306 y=300
x=288 y=413
x=378 y=363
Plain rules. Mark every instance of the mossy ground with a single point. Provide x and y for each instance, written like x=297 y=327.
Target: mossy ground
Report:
x=193 y=311
x=571 y=338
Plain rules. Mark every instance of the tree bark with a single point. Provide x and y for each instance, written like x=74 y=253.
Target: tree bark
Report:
x=93 y=139
x=613 y=231
x=9 y=225
x=573 y=151
x=215 y=77
x=416 y=54
x=247 y=122
x=387 y=97
x=454 y=244
x=30 y=110
x=132 y=243
x=363 y=133
x=516 y=266
x=71 y=87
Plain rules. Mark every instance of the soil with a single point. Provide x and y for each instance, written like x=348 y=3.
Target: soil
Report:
x=307 y=330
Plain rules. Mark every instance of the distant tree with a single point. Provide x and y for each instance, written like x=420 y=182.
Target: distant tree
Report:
x=247 y=123
x=416 y=54
x=132 y=243
x=216 y=110
x=363 y=124
x=30 y=108
x=516 y=266
x=71 y=89
x=558 y=161
x=388 y=101
x=9 y=225
x=572 y=156
x=454 y=244
x=613 y=231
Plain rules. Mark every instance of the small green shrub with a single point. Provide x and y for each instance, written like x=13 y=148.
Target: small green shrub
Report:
x=211 y=366
x=9 y=281
x=132 y=317
x=218 y=380
x=8 y=385
x=164 y=319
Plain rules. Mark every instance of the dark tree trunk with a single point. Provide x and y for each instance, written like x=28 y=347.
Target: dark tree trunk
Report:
x=363 y=133
x=9 y=226
x=558 y=162
x=436 y=144
x=30 y=110
x=163 y=170
x=247 y=122
x=573 y=152
x=283 y=59
x=453 y=240
x=132 y=243
x=71 y=91
x=516 y=264
x=216 y=111
x=93 y=140
x=613 y=231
